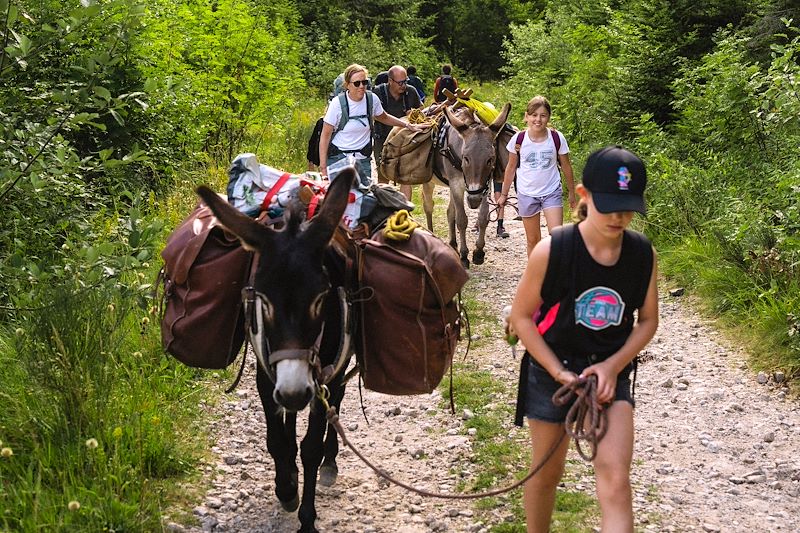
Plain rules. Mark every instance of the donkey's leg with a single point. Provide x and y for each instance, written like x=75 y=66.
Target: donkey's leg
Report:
x=311 y=452
x=461 y=220
x=451 y=222
x=329 y=471
x=479 y=254
x=427 y=202
x=281 y=444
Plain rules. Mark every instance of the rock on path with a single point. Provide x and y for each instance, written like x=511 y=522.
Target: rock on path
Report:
x=716 y=446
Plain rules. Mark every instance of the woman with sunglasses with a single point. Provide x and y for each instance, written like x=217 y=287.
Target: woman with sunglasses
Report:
x=355 y=137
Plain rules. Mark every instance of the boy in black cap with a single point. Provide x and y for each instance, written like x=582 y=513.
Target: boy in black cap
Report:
x=584 y=284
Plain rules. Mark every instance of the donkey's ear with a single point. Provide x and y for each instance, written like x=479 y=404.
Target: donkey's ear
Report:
x=253 y=235
x=454 y=120
x=499 y=122
x=321 y=227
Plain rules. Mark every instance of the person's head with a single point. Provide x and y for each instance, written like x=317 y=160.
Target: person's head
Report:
x=537 y=102
x=446 y=69
x=356 y=80
x=412 y=70
x=538 y=112
x=398 y=80
x=614 y=180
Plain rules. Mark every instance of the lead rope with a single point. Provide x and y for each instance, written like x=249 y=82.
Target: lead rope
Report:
x=585 y=390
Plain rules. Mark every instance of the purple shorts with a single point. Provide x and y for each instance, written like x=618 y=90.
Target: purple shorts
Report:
x=532 y=205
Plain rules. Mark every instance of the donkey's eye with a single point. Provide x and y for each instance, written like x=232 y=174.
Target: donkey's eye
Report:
x=267 y=309
x=316 y=305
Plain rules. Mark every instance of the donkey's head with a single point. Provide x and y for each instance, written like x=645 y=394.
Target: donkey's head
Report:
x=478 y=154
x=290 y=287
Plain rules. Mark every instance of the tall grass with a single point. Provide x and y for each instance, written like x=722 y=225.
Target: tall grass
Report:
x=96 y=418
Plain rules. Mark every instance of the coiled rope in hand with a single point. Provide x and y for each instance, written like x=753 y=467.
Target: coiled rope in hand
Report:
x=586 y=419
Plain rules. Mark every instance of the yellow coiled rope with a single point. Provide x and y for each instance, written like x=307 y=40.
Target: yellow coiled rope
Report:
x=399 y=226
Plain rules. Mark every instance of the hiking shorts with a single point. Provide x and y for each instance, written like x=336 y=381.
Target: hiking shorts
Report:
x=532 y=205
x=541 y=386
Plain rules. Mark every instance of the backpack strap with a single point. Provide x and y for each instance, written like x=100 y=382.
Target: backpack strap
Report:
x=557 y=142
x=345 y=117
x=645 y=251
x=518 y=145
x=370 y=118
x=555 y=285
x=557 y=276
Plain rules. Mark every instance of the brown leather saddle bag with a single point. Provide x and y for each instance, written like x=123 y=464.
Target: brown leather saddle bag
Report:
x=205 y=269
x=410 y=320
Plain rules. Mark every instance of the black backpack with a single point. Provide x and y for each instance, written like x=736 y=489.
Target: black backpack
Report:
x=445 y=82
x=312 y=153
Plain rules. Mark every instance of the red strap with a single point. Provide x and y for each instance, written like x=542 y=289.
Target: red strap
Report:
x=549 y=319
x=274 y=190
x=312 y=205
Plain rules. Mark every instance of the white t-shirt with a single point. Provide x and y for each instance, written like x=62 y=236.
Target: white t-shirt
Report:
x=538 y=173
x=355 y=134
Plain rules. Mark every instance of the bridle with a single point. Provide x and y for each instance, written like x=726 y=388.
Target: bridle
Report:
x=254 y=303
x=447 y=151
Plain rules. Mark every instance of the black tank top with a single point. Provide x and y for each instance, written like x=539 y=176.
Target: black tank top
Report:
x=604 y=299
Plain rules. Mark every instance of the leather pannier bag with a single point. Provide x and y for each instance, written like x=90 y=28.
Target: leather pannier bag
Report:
x=410 y=322
x=205 y=269
x=407 y=157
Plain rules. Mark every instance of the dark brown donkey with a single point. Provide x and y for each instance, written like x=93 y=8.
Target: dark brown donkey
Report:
x=299 y=330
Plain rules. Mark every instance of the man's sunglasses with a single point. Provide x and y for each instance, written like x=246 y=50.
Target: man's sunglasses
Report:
x=401 y=82
x=359 y=83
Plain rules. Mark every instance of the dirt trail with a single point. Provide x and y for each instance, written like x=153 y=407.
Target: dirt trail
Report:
x=716 y=450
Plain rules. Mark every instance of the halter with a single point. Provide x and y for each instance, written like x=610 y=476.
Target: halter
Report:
x=254 y=303
x=447 y=151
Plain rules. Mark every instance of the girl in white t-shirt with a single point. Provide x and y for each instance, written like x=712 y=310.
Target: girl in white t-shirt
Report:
x=536 y=169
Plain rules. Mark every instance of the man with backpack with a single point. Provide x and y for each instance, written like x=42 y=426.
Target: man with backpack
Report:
x=398 y=98
x=445 y=81
x=416 y=82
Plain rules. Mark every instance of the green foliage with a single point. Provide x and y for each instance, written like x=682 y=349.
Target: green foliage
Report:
x=327 y=59
x=471 y=32
x=93 y=411
x=221 y=69
x=692 y=91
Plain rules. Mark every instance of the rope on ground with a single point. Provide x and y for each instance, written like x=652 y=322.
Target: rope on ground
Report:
x=585 y=393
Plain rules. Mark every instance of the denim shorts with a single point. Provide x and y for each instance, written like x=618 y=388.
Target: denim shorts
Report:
x=532 y=205
x=541 y=387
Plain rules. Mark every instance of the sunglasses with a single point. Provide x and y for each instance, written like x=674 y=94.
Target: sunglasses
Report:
x=401 y=82
x=359 y=83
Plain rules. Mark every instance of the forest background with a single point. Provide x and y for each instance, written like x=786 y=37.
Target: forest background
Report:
x=111 y=111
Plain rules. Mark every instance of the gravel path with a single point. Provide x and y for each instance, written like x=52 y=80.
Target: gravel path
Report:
x=716 y=444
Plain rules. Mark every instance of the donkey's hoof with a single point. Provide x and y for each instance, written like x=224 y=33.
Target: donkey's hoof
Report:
x=328 y=475
x=465 y=262
x=478 y=257
x=291 y=505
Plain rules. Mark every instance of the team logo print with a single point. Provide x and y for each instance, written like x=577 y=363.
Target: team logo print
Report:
x=623 y=178
x=598 y=308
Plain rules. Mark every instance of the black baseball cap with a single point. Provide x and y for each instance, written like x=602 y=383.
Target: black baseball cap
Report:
x=616 y=178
